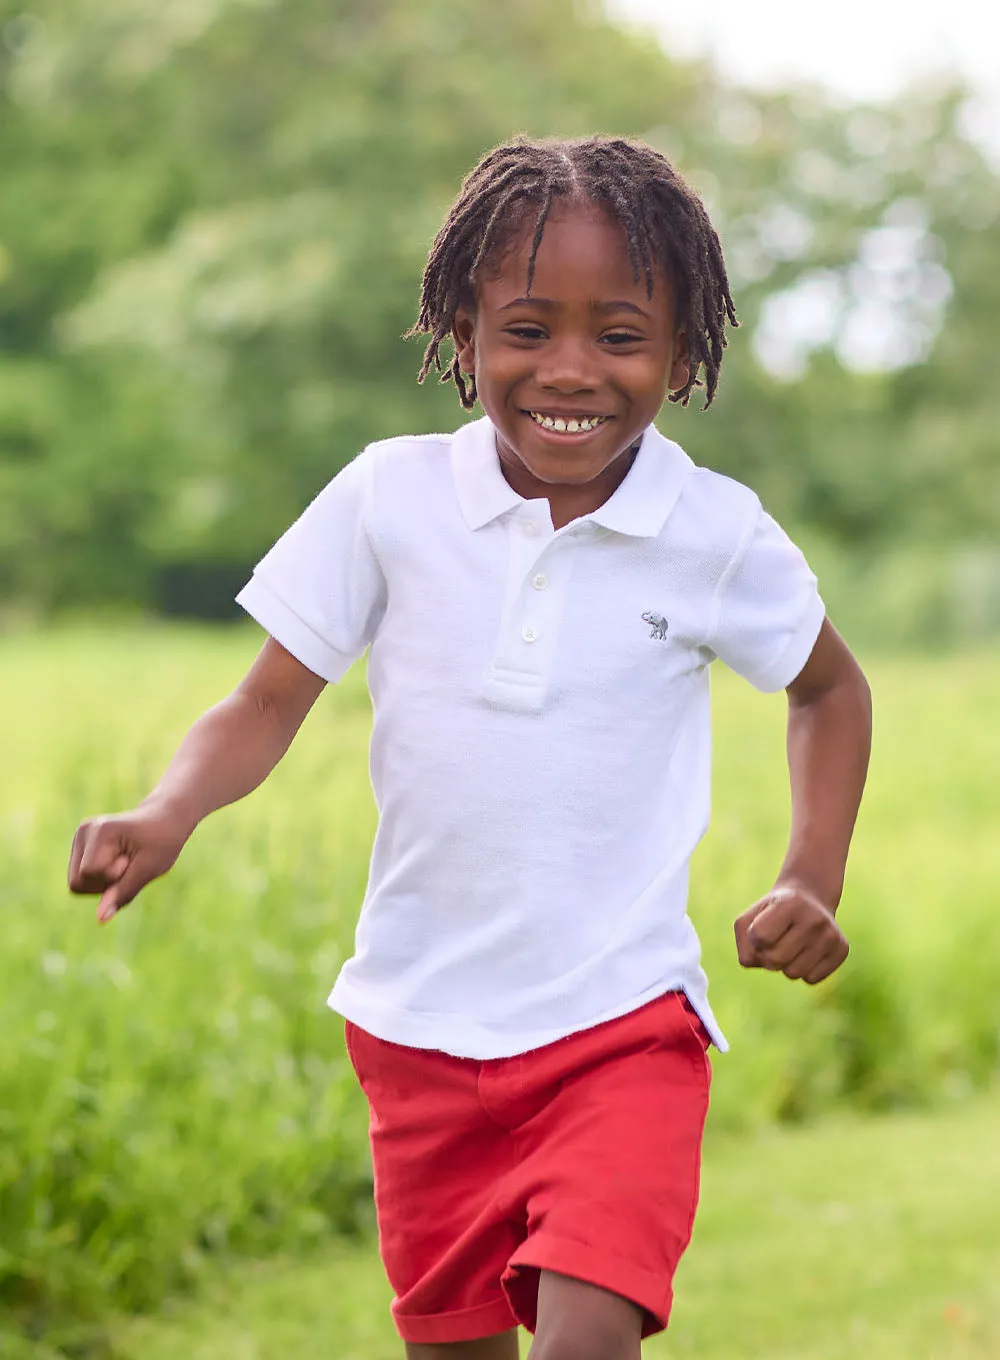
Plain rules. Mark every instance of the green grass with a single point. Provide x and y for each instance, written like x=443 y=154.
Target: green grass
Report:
x=872 y=1237
x=173 y=1091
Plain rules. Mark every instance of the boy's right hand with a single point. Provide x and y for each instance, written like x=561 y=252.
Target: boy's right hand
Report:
x=117 y=856
x=229 y=751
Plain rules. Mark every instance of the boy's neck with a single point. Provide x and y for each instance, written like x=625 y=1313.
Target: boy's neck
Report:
x=567 y=501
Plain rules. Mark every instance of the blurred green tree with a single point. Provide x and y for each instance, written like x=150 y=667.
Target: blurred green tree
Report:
x=215 y=213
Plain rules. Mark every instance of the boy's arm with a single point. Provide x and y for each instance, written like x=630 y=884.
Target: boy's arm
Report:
x=229 y=751
x=792 y=929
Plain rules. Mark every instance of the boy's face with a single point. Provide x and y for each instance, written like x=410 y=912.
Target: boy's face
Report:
x=587 y=347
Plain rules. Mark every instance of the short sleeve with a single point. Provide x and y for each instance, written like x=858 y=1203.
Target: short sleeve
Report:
x=320 y=590
x=768 y=610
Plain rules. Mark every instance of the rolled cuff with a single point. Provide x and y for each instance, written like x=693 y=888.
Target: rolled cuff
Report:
x=467 y=1324
x=796 y=652
x=653 y=1293
x=292 y=631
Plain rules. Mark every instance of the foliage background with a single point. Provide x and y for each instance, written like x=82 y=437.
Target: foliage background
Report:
x=213 y=218
x=173 y=1090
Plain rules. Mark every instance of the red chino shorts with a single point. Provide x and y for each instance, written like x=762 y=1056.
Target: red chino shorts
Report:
x=581 y=1157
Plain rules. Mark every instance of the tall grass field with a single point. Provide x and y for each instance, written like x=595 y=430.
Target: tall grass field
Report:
x=172 y=1087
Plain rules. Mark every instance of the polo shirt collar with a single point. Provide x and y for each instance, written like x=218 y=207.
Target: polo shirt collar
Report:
x=483 y=491
x=639 y=507
x=642 y=502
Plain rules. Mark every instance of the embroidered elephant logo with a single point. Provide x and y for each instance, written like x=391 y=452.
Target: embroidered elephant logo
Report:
x=658 y=624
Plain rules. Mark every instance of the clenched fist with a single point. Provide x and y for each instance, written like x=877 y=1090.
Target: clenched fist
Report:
x=117 y=856
x=791 y=931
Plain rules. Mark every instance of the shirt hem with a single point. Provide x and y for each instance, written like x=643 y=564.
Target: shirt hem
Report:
x=416 y=1029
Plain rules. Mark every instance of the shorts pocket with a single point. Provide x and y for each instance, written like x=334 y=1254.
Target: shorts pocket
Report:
x=694 y=1022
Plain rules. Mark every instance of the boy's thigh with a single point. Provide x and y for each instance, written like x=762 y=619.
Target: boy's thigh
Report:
x=610 y=1164
x=502 y=1347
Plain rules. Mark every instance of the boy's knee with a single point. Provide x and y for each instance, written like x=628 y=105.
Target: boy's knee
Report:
x=579 y=1321
x=577 y=1342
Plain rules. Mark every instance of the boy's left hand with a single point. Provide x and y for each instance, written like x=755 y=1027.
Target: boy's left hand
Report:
x=791 y=931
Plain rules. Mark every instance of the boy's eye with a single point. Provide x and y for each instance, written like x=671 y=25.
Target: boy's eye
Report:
x=613 y=338
x=621 y=338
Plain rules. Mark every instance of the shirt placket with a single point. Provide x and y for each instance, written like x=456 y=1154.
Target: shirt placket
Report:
x=537 y=571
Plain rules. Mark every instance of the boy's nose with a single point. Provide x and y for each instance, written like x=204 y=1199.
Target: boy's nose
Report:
x=567 y=368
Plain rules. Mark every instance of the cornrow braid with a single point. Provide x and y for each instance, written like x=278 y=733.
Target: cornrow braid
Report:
x=664 y=220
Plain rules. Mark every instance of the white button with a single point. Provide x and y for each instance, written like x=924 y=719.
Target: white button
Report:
x=540 y=582
x=530 y=528
x=529 y=634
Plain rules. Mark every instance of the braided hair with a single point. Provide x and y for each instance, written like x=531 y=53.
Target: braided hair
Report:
x=665 y=223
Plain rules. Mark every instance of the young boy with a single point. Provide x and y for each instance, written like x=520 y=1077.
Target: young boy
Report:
x=542 y=594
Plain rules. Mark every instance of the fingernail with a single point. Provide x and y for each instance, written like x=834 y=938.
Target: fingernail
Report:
x=106 y=914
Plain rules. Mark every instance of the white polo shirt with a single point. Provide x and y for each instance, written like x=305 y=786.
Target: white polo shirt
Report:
x=540 y=751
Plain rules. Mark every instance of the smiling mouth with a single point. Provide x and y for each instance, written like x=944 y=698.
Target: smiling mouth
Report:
x=567 y=424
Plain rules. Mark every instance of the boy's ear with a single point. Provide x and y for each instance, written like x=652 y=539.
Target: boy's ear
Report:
x=680 y=368
x=463 y=332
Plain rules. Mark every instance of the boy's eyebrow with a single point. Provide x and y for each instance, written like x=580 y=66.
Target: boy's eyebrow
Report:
x=527 y=302
x=619 y=305
x=547 y=304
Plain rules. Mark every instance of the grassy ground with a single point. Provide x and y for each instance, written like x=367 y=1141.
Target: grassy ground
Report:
x=863 y=1237
x=173 y=1091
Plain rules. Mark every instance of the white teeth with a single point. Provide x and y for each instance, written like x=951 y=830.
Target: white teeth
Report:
x=574 y=425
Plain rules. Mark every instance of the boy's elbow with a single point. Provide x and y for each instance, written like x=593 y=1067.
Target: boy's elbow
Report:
x=265 y=706
x=865 y=693
x=279 y=690
x=261 y=712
